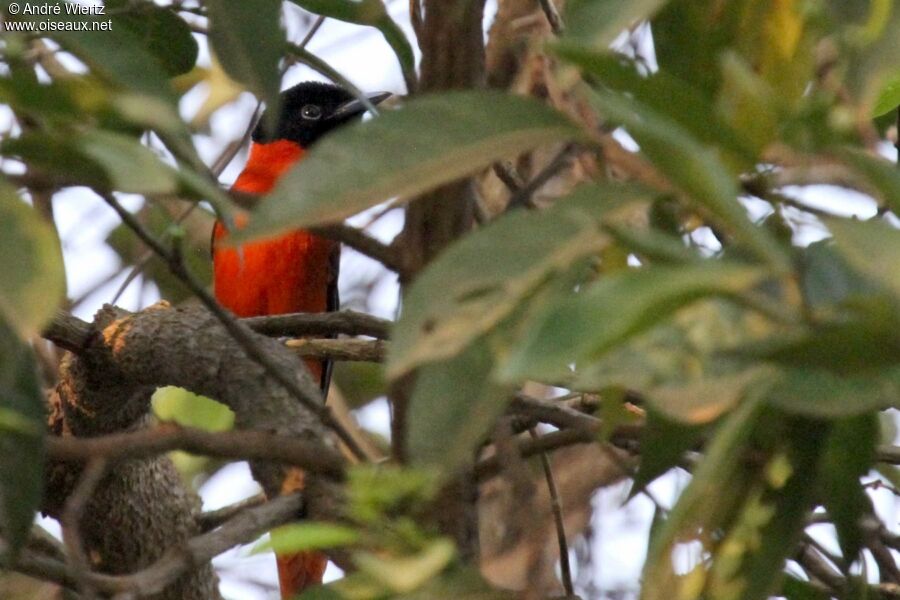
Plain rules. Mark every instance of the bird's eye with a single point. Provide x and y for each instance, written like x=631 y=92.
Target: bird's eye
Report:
x=311 y=112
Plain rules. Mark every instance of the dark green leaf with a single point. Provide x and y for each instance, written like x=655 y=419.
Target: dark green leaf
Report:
x=34 y=283
x=663 y=442
x=114 y=53
x=129 y=166
x=797 y=589
x=824 y=394
x=460 y=296
x=22 y=424
x=596 y=23
x=453 y=407
x=827 y=280
x=872 y=248
x=248 y=40
x=619 y=306
x=693 y=167
x=849 y=454
x=160 y=31
x=690 y=36
x=368 y=12
x=452 y=135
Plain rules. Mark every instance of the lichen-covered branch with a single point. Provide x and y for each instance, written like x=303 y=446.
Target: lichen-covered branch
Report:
x=105 y=389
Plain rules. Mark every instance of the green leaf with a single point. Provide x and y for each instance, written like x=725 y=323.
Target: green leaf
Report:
x=665 y=93
x=129 y=166
x=614 y=309
x=114 y=53
x=827 y=280
x=34 y=283
x=22 y=425
x=460 y=296
x=797 y=589
x=377 y=491
x=873 y=50
x=688 y=346
x=872 y=248
x=302 y=537
x=453 y=406
x=715 y=490
x=405 y=574
x=696 y=169
x=663 y=442
x=749 y=561
x=597 y=23
x=431 y=141
x=369 y=12
x=823 y=393
x=848 y=456
x=248 y=41
x=690 y=36
x=889 y=98
x=180 y=406
x=161 y=32
x=705 y=399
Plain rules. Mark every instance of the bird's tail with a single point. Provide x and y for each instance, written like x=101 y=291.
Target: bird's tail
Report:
x=297 y=572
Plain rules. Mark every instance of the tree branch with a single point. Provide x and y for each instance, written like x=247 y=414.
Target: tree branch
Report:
x=235 y=445
x=353 y=350
x=303 y=390
x=345 y=322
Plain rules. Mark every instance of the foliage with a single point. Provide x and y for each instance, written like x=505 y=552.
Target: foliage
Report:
x=770 y=355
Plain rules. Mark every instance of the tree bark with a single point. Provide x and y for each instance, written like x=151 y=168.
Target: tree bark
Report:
x=141 y=509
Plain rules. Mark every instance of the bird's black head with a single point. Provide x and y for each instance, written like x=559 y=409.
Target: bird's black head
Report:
x=311 y=109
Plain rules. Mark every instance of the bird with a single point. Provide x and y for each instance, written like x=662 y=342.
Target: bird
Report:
x=293 y=272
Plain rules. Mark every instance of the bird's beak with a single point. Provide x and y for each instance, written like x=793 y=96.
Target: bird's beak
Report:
x=357 y=106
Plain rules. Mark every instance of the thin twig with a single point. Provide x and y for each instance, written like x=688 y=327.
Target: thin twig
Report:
x=349 y=350
x=364 y=244
x=522 y=198
x=415 y=17
x=556 y=22
x=556 y=506
x=507 y=173
x=309 y=397
x=71 y=518
x=346 y=322
x=236 y=445
x=214 y=518
x=312 y=31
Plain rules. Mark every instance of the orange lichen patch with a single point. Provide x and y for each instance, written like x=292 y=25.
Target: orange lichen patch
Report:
x=294 y=482
x=115 y=333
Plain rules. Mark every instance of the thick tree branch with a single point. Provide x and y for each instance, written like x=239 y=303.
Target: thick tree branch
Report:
x=177 y=560
x=302 y=389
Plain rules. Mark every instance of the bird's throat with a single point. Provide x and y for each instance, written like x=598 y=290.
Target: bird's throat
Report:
x=266 y=164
